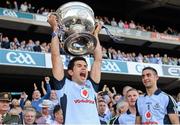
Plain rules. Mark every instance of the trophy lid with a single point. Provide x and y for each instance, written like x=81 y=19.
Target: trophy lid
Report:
x=76 y=3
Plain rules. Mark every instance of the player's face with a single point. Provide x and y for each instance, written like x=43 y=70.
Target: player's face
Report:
x=132 y=97
x=149 y=78
x=79 y=72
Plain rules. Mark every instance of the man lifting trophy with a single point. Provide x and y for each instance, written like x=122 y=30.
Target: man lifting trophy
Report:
x=77 y=23
x=77 y=88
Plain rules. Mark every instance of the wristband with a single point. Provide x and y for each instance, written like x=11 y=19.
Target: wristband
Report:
x=54 y=34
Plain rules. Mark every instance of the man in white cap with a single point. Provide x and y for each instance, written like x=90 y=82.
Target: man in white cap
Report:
x=46 y=116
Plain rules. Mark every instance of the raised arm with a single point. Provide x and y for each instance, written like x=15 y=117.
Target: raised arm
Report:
x=43 y=88
x=95 y=73
x=57 y=64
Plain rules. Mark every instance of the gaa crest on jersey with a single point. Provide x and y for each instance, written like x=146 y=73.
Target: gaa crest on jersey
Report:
x=156 y=106
x=84 y=93
x=148 y=115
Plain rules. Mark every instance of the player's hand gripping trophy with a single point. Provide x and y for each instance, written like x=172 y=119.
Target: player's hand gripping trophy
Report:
x=76 y=25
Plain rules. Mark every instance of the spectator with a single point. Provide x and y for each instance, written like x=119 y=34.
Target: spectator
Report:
x=31 y=8
x=22 y=45
x=110 y=53
x=124 y=92
x=53 y=97
x=132 y=25
x=8 y=4
x=122 y=107
x=58 y=115
x=37 y=47
x=121 y=24
x=29 y=116
x=107 y=21
x=152 y=59
x=114 y=114
x=30 y=45
x=139 y=58
x=145 y=59
x=165 y=59
x=15 y=5
x=46 y=106
x=5 y=43
x=116 y=98
x=126 y=25
x=104 y=52
x=113 y=22
x=5 y=117
x=43 y=47
x=37 y=99
x=130 y=115
x=155 y=107
x=15 y=108
x=78 y=103
x=24 y=7
x=158 y=58
x=27 y=104
x=104 y=118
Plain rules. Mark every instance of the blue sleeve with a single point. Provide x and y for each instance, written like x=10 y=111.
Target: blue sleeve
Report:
x=172 y=106
x=21 y=103
x=95 y=85
x=58 y=84
x=48 y=91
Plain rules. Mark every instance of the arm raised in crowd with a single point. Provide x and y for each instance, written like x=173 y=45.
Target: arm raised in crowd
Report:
x=57 y=64
x=48 y=92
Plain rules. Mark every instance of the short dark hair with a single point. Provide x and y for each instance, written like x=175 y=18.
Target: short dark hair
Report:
x=72 y=61
x=150 y=68
x=56 y=109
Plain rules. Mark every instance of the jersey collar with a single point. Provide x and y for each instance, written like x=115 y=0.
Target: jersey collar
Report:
x=157 y=92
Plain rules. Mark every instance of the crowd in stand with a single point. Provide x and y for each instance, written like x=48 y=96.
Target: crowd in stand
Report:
x=109 y=53
x=45 y=108
x=28 y=7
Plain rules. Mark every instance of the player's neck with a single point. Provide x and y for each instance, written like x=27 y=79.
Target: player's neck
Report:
x=132 y=109
x=78 y=82
x=151 y=91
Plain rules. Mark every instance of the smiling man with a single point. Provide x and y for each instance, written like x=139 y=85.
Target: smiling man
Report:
x=155 y=107
x=77 y=92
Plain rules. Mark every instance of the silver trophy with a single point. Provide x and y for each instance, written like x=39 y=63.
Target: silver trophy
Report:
x=76 y=22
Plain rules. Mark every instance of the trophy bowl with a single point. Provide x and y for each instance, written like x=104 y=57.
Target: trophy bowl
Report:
x=76 y=19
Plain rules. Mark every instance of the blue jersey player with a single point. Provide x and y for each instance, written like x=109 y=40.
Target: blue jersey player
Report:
x=155 y=106
x=77 y=93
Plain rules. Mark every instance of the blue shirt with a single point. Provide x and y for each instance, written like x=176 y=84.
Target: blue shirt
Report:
x=35 y=103
x=155 y=108
x=126 y=118
x=78 y=102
